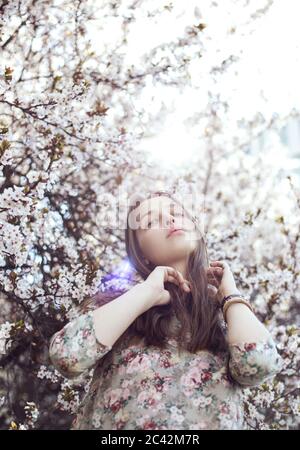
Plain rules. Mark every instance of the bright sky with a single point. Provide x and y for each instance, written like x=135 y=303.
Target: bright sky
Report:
x=265 y=79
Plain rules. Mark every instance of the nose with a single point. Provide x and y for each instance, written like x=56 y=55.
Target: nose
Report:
x=171 y=221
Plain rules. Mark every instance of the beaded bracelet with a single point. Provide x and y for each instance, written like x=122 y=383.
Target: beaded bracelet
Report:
x=224 y=300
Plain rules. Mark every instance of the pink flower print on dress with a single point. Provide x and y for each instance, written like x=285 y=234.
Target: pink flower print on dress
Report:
x=149 y=399
x=111 y=396
x=139 y=364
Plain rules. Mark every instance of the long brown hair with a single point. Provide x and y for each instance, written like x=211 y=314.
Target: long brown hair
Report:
x=201 y=324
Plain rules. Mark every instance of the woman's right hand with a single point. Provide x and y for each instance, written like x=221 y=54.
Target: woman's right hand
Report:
x=161 y=275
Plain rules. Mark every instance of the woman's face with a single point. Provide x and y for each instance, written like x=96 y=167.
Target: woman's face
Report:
x=156 y=218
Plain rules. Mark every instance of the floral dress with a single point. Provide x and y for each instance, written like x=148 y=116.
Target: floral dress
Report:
x=147 y=388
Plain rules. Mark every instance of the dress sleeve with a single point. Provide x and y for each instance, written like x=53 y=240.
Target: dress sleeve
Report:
x=75 y=348
x=252 y=363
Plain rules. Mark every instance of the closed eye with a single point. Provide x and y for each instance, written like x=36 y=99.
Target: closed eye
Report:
x=181 y=214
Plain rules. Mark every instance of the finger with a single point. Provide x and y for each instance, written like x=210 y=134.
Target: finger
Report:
x=172 y=273
x=180 y=278
x=212 y=290
x=215 y=273
x=187 y=286
x=183 y=285
x=177 y=273
x=214 y=283
x=217 y=278
x=216 y=263
x=173 y=280
x=215 y=270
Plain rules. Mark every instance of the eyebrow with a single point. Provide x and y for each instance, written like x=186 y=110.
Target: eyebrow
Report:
x=172 y=205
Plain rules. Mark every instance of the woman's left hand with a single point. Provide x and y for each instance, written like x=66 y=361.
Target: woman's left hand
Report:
x=222 y=280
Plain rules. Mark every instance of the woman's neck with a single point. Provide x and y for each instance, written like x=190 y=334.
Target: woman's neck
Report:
x=181 y=266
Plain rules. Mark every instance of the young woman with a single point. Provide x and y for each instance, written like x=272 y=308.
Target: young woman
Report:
x=172 y=352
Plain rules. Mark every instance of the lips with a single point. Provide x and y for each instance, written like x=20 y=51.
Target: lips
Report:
x=172 y=231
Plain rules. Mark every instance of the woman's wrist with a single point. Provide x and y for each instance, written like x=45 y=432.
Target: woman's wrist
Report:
x=147 y=295
x=241 y=304
x=229 y=297
x=226 y=293
x=235 y=309
x=152 y=294
x=233 y=290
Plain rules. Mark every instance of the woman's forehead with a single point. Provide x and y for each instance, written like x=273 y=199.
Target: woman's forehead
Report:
x=156 y=203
